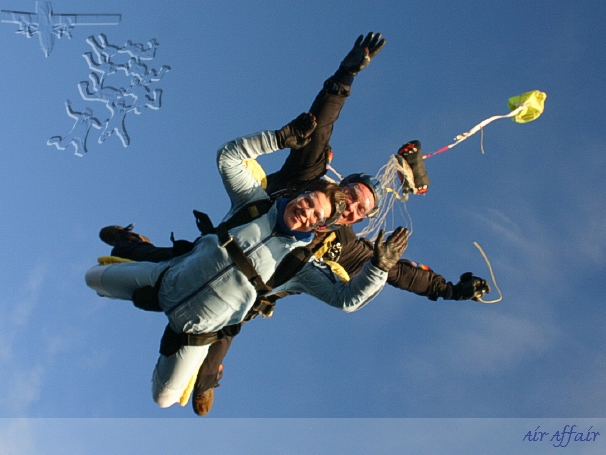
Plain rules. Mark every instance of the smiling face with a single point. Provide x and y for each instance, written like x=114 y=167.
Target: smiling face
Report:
x=307 y=212
x=360 y=202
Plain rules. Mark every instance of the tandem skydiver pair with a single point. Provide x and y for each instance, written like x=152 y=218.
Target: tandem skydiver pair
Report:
x=296 y=209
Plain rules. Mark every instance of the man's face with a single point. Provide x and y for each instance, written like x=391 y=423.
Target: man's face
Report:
x=360 y=202
x=307 y=212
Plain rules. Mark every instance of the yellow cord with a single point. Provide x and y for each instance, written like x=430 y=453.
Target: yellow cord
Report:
x=491 y=274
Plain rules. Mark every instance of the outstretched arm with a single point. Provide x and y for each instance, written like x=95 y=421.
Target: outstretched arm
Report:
x=310 y=162
x=317 y=280
x=407 y=275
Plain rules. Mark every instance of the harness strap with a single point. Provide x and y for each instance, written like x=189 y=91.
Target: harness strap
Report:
x=245 y=215
x=190 y=339
x=172 y=341
x=241 y=260
x=146 y=297
x=264 y=306
x=292 y=263
x=249 y=213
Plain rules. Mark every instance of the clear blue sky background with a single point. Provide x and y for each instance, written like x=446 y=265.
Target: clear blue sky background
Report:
x=535 y=202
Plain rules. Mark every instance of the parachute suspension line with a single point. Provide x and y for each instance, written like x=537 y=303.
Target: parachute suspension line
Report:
x=494 y=281
x=482 y=141
x=403 y=209
x=411 y=230
x=389 y=181
x=334 y=171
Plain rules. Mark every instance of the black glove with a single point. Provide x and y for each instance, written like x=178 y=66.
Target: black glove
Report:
x=297 y=133
x=363 y=52
x=386 y=254
x=470 y=288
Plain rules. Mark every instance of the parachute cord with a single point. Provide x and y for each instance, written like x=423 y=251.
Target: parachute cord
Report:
x=463 y=136
x=334 y=171
x=405 y=210
x=482 y=141
x=388 y=178
x=491 y=275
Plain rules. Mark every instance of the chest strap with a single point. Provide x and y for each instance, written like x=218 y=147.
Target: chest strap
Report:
x=241 y=260
x=245 y=215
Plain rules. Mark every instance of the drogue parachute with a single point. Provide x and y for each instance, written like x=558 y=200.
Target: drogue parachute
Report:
x=528 y=106
x=524 y=108
x=408 y=164
x=405 y=172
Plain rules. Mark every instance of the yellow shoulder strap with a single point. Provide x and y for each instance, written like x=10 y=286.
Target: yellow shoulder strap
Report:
x=107 y=260
x=326 y=245
x=257 y=171
x=338 y=270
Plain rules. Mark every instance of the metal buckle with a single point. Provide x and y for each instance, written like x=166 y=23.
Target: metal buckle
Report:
x=264 y=308
x=227 y=241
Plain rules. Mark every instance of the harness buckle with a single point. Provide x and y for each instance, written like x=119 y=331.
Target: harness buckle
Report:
x=264 y=307
x=227 y=240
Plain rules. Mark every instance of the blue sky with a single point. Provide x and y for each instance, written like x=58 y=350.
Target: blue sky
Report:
x=534 y=201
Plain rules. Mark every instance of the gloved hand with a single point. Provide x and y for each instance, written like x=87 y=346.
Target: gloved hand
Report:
x=363 y=52
x=297 y=133
x=470 y=288
x=386 y=254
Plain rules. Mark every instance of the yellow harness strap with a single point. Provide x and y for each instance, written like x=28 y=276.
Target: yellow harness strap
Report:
x=257 y=171
x=336 y=268
x=107 y=260
x=326 y=245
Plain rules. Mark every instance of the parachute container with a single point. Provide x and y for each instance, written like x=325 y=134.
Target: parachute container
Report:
x=413 y=175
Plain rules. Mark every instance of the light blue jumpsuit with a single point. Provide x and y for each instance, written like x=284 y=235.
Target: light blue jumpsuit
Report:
x=204 y=291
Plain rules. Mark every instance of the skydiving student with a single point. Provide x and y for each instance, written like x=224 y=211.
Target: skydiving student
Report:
x=213 y=286
x=340 y=246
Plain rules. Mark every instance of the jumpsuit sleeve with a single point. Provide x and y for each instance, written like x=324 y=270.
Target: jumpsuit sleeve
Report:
x=239 y=182
x=316 y=279
x=405 y=275
x=309 y=162
x=409 y=276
